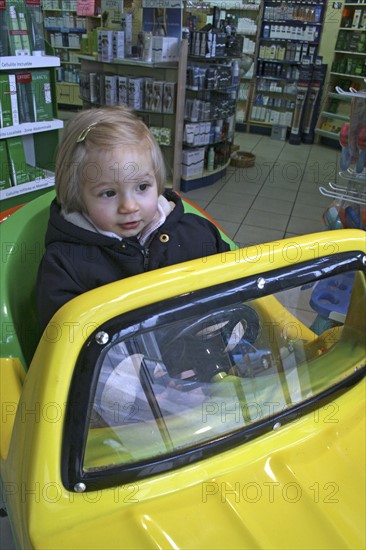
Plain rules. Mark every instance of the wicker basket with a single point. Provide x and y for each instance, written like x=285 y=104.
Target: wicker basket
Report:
x=242 y=159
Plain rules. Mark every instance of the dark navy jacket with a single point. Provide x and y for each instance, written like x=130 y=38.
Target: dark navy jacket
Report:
x=77 y=260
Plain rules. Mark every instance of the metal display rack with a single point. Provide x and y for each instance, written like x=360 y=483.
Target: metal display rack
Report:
x=349 y=200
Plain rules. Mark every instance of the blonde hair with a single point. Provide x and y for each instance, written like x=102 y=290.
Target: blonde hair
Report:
x=90 y=131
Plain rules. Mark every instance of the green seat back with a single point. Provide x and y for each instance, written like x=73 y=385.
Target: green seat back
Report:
x=22 y=244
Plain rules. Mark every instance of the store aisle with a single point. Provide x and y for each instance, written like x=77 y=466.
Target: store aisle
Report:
x=278 y=197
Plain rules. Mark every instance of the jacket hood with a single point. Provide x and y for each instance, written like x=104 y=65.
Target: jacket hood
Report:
x=60 y=229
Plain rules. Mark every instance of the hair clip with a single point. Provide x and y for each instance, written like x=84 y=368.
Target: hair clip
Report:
x=84 y=133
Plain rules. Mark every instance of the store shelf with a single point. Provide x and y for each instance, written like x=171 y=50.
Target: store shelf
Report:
x=30 y=128
x=170 y=123
x=335 y=116
x=9 y=63
x=202 y=180
x=25 y=188
x=64 y=29
x=347 y=71
x=34 y=141
x=327 y=134
x=287 y=56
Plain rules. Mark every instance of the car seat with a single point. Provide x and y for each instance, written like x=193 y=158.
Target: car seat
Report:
x=22 y=237
x=22 y=245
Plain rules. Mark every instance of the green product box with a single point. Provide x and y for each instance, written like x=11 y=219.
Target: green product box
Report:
x=17 y=162
x=5 y=181
x=25 y=97
x=35 y=173
x=42 y=96
x=19 y=35
x=8 y=101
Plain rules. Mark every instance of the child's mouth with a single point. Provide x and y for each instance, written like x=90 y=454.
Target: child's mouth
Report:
x=129 y=225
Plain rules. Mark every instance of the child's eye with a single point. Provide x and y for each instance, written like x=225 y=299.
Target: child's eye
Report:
x=109 y=193
x=143 y=186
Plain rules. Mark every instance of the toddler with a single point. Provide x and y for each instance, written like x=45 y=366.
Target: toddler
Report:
x=112 y=217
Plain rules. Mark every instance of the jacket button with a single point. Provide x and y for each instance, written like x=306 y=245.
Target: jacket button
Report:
x=164 y=238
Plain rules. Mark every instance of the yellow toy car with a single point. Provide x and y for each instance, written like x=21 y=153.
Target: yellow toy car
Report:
x=136 y=421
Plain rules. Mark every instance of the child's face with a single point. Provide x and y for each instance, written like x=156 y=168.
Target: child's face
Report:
x=119 y=189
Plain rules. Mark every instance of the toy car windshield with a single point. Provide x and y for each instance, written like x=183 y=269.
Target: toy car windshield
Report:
x=172 y=383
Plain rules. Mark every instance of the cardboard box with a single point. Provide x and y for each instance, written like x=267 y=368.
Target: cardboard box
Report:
x=35 y=173
x=110 y=87
x=105 y=45
x=111 y=11
x=164 y=48
x=158 y=89
x=169 y=97
x=126 y=24
x=41 y=95
x=279 y=132
x=122 y=90
x=118 y=45
x=148 y=94
x=17 y=162
x=93 y=91
x=17 y=29
x=135 y=92
x=162 y=135
x=25 y=97
x=5 y=180
x=9 y=114
x=192 y=162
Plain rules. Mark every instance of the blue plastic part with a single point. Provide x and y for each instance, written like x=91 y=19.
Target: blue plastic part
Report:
x=332 y=295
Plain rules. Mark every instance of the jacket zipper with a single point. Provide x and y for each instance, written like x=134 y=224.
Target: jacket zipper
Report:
x=146 y=254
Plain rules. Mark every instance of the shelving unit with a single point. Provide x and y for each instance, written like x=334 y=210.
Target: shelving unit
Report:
x=209 y=119
x=166 y=126
x=39 y=139
x=348 y=207
x=64 y=30
x=348 y=71
x=288 y=47
x=248 y=15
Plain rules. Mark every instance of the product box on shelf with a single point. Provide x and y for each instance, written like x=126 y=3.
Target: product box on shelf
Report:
x=17 y=162
x=162 y=135
x=148 y=93
x=126 y=25
x=35 y=173
x=4 y=41
x=118 y=45
x=9 y=114
x=193 y=162
x=158 y=88
x=41 y=95
x=22 y=32
x=111 y=11
x=19 y=38
x=105 y=45
x=169 y=97
x=164 y=48
x=135 y=92
x=122 y=86
x=34 y=16
x=110 y=87
x=93 y=91
x=85 y=8
x=25 y=97
x=5 y=180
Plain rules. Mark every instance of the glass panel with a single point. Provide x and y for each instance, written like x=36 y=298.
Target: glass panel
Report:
x=170 y=386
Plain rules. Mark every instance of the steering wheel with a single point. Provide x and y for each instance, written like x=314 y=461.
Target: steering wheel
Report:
x=203 y=347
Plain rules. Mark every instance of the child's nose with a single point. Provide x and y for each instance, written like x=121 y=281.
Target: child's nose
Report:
x=127 y=204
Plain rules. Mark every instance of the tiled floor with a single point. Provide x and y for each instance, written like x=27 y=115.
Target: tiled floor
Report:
x=278 y=197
